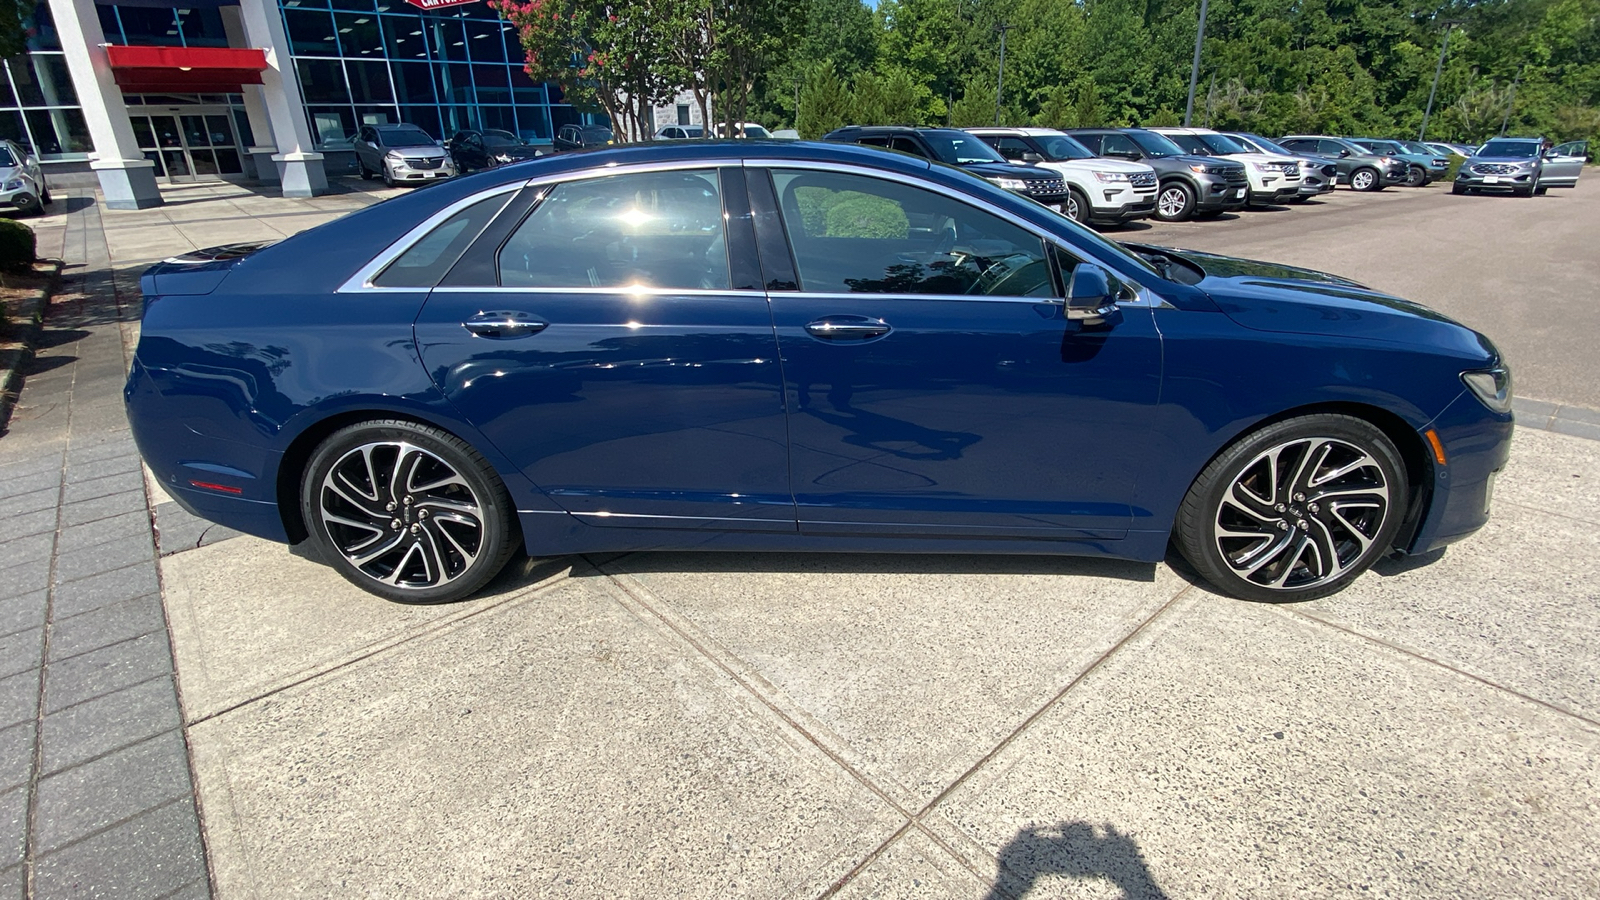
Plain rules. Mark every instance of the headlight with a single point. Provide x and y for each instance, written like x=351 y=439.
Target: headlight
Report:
x=1112 y=177
x=1493 y=387
x=1266 y=167
x=502 y=158
x=1010 y=184
x=14 y=184
x=393 y=156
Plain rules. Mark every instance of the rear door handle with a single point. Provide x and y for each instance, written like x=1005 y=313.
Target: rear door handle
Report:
x=847 y=328
x=502 y=324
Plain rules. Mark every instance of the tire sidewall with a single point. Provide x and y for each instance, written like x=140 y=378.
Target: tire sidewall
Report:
x=1077 y=198
x=1188 y=204
x=1372 y=183
x=498 y=514
x=1193 y=530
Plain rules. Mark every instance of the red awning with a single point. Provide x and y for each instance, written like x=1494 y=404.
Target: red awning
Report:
x=185 y=70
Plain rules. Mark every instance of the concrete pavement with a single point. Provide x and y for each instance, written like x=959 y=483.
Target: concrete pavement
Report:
x=815 y=725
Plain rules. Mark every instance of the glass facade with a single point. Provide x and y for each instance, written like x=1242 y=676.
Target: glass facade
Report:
x=38 y=105
x=369 y=62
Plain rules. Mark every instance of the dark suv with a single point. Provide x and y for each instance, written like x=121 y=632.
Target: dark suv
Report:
x=958 y=148
x=1358 y=167
x=1190 y=186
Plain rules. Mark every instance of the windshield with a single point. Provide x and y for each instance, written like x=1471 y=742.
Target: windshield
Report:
x=1415 y=147
x=1518 y=149
x=1060 y=147
x=1191 y=143
x=756 y=131
x=1153 y=144
x=958 y=148
x=6 y=159
x=603 y=134
x=405 y=137
x=1266 y=146
x=499 y=138
x=1221 y=143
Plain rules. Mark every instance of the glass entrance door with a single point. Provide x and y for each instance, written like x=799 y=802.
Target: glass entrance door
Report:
x=197 y=145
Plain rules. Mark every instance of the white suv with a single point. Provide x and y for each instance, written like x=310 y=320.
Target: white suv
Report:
x=1102 y=191
x=1273 y=178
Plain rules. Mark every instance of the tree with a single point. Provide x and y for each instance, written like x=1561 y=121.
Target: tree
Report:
x=13 y=35
x=824 y=104
x=895 y=98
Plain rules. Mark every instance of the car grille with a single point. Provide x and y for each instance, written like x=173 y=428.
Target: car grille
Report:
x=432 y=162
x=1235 y=175
x=1290 y=169
x=1494 y=169
x=1043 y=188
x=1143 y=179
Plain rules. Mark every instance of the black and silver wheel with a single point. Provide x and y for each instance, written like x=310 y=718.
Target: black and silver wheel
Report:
x=1175 y=202
x=27 y=204
x=1077 y=206
x=1416 y=176
x=408 y=512
x=1296 y=510
x=361 y=167
x=1365 y=180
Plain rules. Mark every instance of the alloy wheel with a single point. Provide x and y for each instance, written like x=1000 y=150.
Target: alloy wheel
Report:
x=1415 y=176
x=1302 y=513
x=1172 y=202
x=1362 y=180
x=401 y=515
x=1073 y=211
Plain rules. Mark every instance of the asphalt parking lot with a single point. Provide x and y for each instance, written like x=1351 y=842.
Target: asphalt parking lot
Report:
x=749 y=725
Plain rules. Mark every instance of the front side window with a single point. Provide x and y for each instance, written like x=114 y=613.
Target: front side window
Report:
x=1060 y=147
x=907 y=145
x=863 y=235
x=1118 y=145
x=652 y=230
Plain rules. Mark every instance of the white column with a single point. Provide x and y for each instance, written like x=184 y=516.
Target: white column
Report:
x=127 y=179
x=255 y=105
x=299 y=165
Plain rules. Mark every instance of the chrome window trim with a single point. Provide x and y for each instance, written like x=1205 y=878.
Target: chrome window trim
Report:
x=361 y=281
x=640 y=291
x=962 y=298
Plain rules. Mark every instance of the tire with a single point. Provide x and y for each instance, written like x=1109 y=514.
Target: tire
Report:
x=1540 y=190
x=1456 y=188
x=437 y=543
x=1077 y=206
x=27 y=205
x=44 y=195
x=1253 y=524
x=1174 y=202
x=1525 y=192
x=1416 y=176
x=1366 y=180
x=361 y=167
x=388 y=177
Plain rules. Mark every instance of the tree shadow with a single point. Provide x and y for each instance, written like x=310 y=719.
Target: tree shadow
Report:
x=1125 y=227
x=1080 y=850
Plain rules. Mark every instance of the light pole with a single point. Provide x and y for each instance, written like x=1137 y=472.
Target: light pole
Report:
x=1000 y=84
x=1194 y=69
x=1449 y=25
x=1511 y=104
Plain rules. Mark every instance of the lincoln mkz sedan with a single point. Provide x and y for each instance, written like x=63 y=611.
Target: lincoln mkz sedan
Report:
x=754 y=346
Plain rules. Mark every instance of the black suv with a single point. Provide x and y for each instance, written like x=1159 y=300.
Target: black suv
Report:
x=958 y=148
x=1190 y=186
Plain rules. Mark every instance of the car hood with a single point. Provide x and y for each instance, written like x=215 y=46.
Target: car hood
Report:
x=1006 y=170
x=418 y=150
x=1261 y=158
x=1281 y=299
x=516 y=152
x=1098 y=164
x=9 y=172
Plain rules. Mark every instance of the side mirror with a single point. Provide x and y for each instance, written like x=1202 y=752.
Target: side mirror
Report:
x=1031 y=157
x=1089 y=295
x=1551 y=154
x=1344 y=154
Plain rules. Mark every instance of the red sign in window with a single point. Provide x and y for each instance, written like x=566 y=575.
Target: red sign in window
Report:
x=438 y=4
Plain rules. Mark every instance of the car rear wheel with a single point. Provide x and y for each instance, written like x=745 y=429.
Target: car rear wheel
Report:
x=1296 y=510
x=1175 y=202
x=1365 y=180
x=361 y=167
x=1077 y=206
x=407 y=512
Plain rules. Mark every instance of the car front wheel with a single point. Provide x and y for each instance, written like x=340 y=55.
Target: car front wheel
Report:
x=1365 y=180
x=1296 y=510
x=1175 y=202
x=1416 y=176
x=1077 y=206
x=407 y=512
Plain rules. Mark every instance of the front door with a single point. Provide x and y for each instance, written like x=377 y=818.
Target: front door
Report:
x=934 y=384
x=1563 y=170
x=606 y=347
x=189 y=144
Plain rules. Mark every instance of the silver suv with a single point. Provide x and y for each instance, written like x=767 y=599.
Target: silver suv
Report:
x=1521 y=167
x=402 y=154
x=22 y=186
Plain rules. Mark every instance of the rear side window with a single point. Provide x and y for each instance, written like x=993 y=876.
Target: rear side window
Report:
x=655 y=229
x=426 y=261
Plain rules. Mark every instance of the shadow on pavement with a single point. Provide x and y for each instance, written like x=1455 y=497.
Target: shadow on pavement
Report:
x=1076 y=850
x=701 y=562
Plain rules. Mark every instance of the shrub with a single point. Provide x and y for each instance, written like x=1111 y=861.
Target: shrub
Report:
x=18 y=246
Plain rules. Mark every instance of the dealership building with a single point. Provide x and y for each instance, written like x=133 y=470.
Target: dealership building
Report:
x=133 y=94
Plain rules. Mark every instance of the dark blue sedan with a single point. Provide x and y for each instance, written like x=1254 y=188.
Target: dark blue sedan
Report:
x=789 y=346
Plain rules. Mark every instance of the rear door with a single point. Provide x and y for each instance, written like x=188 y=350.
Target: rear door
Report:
x=615 y=343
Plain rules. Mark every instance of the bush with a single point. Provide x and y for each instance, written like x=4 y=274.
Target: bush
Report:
x=18 y=246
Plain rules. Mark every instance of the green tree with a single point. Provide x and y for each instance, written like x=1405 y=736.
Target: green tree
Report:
x=13 y=35
x=824 y=104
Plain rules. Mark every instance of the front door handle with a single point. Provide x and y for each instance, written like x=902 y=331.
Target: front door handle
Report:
x=847 y=328
x=504 y=323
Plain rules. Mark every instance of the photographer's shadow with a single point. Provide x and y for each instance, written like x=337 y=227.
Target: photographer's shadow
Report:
x=1076 y=850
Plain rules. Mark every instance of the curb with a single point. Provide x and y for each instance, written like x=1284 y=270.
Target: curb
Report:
x=1561 y=418
x=23 y=321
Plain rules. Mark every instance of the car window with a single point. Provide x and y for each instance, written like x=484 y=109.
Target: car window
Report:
x=959 y=148
x=1571 y=148
x=1117 y=143
x=6 y=158
x=1060 y=147
x=427 y=261
x=856 y=234
x=907 y=145
x=1523 y=149
x=1190 y=144
x=1300 y=146
x=1090 y=141
x=1155 y=145
x=657 y=230
x=874 y=141
x=1011 y=148
x=1329 y=148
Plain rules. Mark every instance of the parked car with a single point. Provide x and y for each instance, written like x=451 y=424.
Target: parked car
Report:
x=1422 y=164
x=1358 y=167
x=582 y=137
x=1317 y=175
x=680 y=133
x=22 y=184
x=1520 y=166
x=589 y=354
x=786 y=134
x=1103 y=191
x=751 y=130
x=957 y=148
x=473 y=150
x=1273 y=178
x=1448 y=150
x=400 y=154
x=1188 y=186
